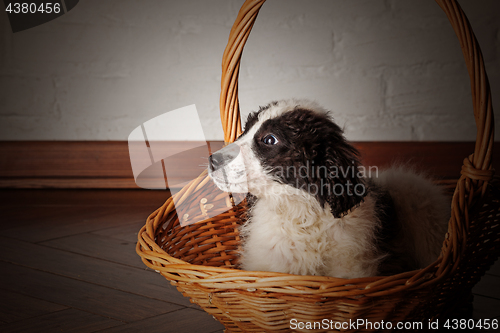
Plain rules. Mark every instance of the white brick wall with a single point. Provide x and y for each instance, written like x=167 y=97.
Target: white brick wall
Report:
x=389 y=70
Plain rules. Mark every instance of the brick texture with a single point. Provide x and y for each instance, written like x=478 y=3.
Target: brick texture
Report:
x=388 y=69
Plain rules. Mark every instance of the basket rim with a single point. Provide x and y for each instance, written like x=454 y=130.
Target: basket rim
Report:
x=174 y=269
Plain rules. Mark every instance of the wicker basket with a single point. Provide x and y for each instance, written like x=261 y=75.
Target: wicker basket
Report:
x=200 y=259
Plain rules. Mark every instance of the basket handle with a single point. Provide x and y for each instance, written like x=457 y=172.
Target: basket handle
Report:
x=477 y=168
x=229 y=102
x=481 y=96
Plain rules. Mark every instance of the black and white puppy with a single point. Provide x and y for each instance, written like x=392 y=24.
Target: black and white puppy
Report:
x=315 y=210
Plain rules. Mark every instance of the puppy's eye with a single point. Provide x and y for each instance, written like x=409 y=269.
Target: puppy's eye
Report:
x=270 y=139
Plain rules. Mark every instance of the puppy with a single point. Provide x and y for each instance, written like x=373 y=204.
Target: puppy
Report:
x=315 y=210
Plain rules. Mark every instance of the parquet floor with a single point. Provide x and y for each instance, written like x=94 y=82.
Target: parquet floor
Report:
x=68 y=264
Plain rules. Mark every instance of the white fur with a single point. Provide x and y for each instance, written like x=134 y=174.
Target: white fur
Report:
x=290 y=232
x=293 y=234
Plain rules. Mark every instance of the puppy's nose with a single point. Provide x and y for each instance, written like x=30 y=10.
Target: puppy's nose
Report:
x=215 y=161
x=223 y=157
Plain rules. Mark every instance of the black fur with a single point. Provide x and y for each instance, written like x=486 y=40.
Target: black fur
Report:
x=253 y=117
x=313 y=155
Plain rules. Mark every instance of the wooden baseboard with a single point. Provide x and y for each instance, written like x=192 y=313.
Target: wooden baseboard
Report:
x=106 y=164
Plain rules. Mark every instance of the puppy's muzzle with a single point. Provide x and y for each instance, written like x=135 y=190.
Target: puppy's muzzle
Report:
x=227 y=169
x=223 y=157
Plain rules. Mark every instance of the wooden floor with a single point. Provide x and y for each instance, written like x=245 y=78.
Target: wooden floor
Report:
x=68 y=264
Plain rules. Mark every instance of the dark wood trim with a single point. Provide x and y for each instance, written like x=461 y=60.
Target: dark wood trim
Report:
x=106 y=164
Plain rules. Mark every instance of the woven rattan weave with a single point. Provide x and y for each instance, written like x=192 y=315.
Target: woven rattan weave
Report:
x=201 y=259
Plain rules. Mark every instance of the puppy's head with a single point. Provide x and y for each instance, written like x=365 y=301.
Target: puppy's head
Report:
x=292 y=143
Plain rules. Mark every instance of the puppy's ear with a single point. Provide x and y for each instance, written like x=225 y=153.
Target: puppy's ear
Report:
x=327 y=165
x=340 y=182
x=343 y=186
